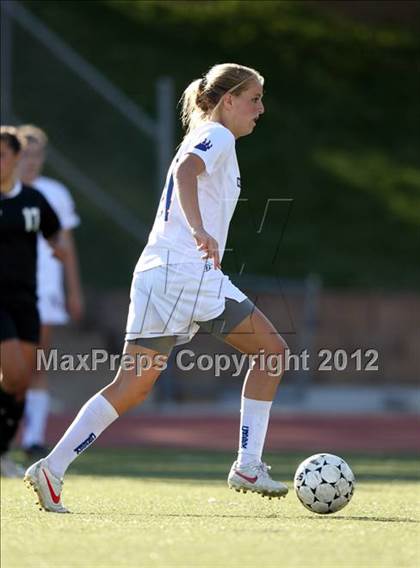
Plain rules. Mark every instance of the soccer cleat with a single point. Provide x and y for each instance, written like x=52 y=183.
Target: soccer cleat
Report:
x=46 y=486
x=10 y=469
x=255 y=477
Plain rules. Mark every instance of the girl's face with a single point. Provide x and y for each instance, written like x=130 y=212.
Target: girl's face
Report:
x=32 y=162
x=240 y=112
x=8 y=161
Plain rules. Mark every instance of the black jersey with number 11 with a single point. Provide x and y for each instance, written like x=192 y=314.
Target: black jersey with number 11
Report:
x=24 y=212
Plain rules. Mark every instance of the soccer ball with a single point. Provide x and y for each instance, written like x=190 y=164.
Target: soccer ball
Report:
x=324 y=483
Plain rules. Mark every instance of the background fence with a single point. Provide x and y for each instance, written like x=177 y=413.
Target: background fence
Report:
x=339 y=141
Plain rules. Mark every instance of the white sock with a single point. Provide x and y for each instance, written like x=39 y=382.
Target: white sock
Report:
x=93 y=418
x=37 y=405
x=255 y=415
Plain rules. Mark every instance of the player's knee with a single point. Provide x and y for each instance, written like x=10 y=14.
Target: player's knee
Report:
x=16 y=378
x=272 y=357
x=275 y=346
x=136 y=386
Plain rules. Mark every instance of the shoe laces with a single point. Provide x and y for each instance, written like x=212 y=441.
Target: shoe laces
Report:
x=264 y=467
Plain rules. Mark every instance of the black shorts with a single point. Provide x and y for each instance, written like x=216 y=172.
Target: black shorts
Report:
x=19 y=320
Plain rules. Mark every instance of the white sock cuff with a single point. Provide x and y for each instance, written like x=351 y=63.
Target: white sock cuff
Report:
x=100 y=406
x=255 y=406
x=37 y=396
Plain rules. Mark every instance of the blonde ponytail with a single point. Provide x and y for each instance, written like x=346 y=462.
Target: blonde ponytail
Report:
x=191 y=113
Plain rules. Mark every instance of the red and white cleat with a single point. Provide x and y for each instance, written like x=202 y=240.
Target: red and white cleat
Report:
x=46 y=486
x=255 y=477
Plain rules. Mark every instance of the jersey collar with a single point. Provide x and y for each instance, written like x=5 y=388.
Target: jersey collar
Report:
x=16 y=189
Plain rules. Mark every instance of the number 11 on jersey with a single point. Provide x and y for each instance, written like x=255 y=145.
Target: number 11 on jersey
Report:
x=32 y=218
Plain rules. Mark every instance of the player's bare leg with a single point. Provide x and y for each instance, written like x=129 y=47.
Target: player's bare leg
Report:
x=17 y=364
x=253 y=334
x=130 y=387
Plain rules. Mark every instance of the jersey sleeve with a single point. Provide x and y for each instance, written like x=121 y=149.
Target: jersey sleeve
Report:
x=69 y=219
x=212 y=145
x=50 y=222
x=62 y=202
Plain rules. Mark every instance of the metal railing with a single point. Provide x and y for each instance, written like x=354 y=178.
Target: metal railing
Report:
x=91 y=190
x=161 y=130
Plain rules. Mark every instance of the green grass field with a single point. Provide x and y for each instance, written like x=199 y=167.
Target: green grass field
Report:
x=173 y=508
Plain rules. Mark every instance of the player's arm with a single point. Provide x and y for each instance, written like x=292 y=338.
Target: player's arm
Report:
x=74 y=294
x=59 y=245
x=186 y=173
x=51 y=229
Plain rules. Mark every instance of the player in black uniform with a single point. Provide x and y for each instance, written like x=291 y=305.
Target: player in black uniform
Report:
x=23 y=213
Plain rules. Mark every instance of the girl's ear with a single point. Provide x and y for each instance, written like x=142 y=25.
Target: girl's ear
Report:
x=228 y=101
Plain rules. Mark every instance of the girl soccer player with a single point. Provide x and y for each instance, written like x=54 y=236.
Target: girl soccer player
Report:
x=58 y=284
x=24 y=212
x=178 y=286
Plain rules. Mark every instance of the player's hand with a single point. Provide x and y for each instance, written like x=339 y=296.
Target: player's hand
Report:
x=207 y=244
x=59 y=245
x=59 y=252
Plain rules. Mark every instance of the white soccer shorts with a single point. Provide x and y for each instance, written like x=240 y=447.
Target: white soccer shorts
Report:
x=52 y=307
x=169 y=300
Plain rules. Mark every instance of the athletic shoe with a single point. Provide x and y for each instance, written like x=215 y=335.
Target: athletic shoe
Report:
x=46 y=486
x=36 y=452
x=255 y=477
x=10 y=469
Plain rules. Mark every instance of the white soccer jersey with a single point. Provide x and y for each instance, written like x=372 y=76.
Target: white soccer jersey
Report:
x=173 y=288
x=50 y=290
x=171 y=241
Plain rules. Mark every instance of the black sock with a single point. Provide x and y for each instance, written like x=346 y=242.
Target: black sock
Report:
x=11 y=412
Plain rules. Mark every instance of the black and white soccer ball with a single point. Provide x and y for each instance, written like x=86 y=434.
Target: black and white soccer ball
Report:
x=324 y=483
